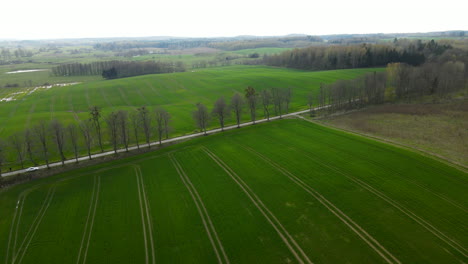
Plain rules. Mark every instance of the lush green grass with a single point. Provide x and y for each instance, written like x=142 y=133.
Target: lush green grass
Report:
x=177 y=93
x=264 y=193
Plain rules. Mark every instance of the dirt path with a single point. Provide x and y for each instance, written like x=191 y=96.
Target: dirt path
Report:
x=98 y=188
x=145 y=215
x=35 y=225
x=366 y=237
x=209 y=227
x=85 y=231
x=295 y=249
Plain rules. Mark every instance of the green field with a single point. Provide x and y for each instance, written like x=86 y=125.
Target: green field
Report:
x=278 y=192
x=177 y=93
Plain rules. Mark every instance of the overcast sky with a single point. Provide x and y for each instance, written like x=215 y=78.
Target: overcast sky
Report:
x=41 y=19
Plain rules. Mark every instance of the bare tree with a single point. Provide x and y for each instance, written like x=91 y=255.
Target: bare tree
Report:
x=72 y=130
x=42 y=133
x=136 y=125
x=220 y=111
x=145 y=120
x=17 y=142
x=167 y=120
x=287 y=95
x=277 y=100
x=310 y=100
x=124 y=128
x=2 y=156
x=162 y=120
x=251 y=96
x=95 y=113
x=201 y=117
x=237 y=104
x=112 y=121
x=86 y=127
x=28 y=141
x=265 y=95
x=58 y=135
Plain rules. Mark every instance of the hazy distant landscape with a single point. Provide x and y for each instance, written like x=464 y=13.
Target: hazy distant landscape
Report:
x=348 y=148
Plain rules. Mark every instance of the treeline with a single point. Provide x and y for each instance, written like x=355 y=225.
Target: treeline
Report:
x=400 y=82
x=283 y=42
x=218 y=43
x=357 y=56
x=121 y=129
x=166 y=44
x=117 y=69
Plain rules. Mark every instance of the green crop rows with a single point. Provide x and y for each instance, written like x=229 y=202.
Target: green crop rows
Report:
x=278 y=192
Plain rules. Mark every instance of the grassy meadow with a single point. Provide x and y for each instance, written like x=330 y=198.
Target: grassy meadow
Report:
x=278 y=192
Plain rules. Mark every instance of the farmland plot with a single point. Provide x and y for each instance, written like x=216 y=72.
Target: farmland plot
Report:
x=279 y=192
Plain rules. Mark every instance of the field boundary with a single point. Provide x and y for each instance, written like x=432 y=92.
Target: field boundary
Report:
x=270 y=217
x=445 y=160
x=366 y=237
x=145 y=213
x=209 y=227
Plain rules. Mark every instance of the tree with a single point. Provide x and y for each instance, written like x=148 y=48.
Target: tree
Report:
x=28 y=141
x=72 y=131
x=112 y=121
x=286 y=96
x=220 y=111
x=310 y=99
x=95 y=113
x=201 y=117
x=136 y=125
x=251 y=96
x=277 y=98
x=167 y=120
x=2 y=156
x=42 y=133
x=162 y=120
x=58 y=134
x=86 y=127
x=265 y=96
x=145 y=120
x=237 y=104
x=17 y=142
x=124 y=128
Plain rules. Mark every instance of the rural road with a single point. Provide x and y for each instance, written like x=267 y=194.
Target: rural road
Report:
x=217 y=130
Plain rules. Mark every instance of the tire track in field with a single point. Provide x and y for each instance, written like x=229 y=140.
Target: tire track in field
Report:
x=103 y=94
x=366 y=237
x=124 y=97
x=292 y=245
x=72 y=108
x=88 y=239
x=412 y=181
x=52 y=108
x=28 y=119
x=91 y=203
x=88 y=101
x=205 y=217
x=141 y=95
x=14 y=225
x=419 y=220
x=35 y=225
x=145 y=214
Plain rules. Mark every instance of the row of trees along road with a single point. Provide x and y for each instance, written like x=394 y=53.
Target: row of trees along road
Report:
x=400 y=82
x=119 y=129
